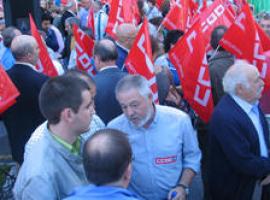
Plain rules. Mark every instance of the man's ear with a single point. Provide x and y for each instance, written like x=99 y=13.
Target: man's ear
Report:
x=67 y=115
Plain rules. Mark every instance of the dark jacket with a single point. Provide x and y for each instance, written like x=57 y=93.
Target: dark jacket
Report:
x=218 y=65
x=24 y=116
x=235 y=163
x=106 y=104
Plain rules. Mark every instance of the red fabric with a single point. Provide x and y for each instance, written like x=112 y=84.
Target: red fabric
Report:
x=8 y=91
x=91 y=21
x=45 y=64
x=122 y=11
x=159 y=3
x=243 y=40
x=265 y=39
x=84 y=47
x=140 y=61
x=177 y=18
x=213 y=16
x=189 y=58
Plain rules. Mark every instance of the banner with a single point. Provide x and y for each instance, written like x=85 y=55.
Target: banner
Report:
x=189 y=58
x=84 y=49
x=140 y=61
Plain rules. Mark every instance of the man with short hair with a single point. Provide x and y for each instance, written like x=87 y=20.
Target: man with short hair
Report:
x=105 y=56
x=54 y=164
x=265 y=23
x=107 y=162
x=238 y=136
x=8 y=34
x=125 y=34
x=164 y=145
x=24 y=116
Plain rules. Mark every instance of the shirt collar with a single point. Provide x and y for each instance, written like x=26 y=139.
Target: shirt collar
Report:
x=243 y=104
x=127 y=50
x=108 y=67
x=28 y=64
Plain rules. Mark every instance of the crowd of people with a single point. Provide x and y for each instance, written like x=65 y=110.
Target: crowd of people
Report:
x=78 y=136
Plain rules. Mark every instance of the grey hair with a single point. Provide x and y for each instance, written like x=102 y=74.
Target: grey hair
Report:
x=22 y=45
x=72 y=20
x=237 y=74
x=134 y=82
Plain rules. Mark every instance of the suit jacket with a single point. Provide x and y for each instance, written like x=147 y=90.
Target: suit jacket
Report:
x=235 y=163
x=218 y=65
x=24 y=116
x=106 y=105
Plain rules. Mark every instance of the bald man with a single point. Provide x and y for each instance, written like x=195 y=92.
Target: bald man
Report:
x=24 y=116
x=126 y=34
x=105 y=56
x=110 y=150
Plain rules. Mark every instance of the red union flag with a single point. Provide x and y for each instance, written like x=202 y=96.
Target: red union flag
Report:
x=189 y=58
x=84 y=47
x=139 y=59
x=213 y=16
x=177 y=18
x=8 y=91
x=244 y=41
x=45 y=64
x=122 y=11
x=91 y=21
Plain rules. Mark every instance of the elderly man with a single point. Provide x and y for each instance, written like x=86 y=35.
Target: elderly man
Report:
x=239 y=136
x=105 y=55
x=164 y=145
x=7 y=60
x=54 y=164
x=24 y=116
x=111 y=154
x=125 y=34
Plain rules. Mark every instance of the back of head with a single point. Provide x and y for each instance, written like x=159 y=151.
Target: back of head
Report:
x=9 y=34
x=81 y=74
x=126 y=31
x=216 y=36
x=23 y=45
x=106 y=50
x=237 y=74
x=133 y=82
x=72 y=20
x=106 y=156
x=171 y=38
x=59 y=93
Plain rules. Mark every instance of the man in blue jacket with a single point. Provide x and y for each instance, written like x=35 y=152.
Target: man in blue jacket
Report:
x=107 y=163
x=239 y=137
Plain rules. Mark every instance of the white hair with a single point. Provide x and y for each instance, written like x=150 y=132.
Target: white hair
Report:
x=134 y=81
x=237 y=74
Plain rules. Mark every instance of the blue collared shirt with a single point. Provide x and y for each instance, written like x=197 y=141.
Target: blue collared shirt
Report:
x=160 y=151
x=7 y=59
x=247 y=107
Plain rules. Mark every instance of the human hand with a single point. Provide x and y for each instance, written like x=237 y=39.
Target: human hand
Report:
x=177 y=193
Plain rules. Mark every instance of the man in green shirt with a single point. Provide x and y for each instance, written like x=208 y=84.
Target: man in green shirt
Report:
x=53 y=167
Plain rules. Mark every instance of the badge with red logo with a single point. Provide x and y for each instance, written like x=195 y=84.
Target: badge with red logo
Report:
x=166 y=160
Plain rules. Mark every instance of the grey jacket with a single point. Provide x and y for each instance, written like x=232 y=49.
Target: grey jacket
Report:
x=50 y=171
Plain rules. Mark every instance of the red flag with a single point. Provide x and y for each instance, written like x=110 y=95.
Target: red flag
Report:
x=45 y=64
x=177 y=18
x=140 y=61
x=159 y=3
x=8 y=91
x=244 y=41
x=122 y=11
x=265 y=40
x=91 y=21
x=213 y=16
x=189 y=58
x=84 y=49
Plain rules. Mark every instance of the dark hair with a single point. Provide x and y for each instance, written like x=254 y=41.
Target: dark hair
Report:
x=106 y=156
x=8 y=35
x=59 y=93
x=152 y=1
x=46 y=16
x=216 y=36
x=171 y=38
x=80 y=74
x=106 y=50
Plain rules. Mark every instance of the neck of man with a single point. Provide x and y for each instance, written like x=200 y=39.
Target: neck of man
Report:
x=106 y=64
x=63 y=131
